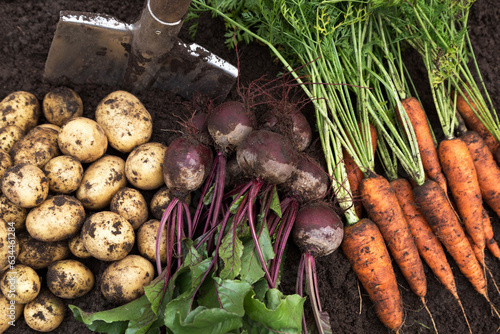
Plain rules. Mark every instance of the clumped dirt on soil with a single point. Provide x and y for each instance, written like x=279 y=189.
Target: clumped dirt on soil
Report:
x=27 y=28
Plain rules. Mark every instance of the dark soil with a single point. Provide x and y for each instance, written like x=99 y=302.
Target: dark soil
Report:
x=27 y=28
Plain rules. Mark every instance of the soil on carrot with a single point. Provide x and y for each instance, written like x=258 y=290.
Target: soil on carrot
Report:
x=27 y=28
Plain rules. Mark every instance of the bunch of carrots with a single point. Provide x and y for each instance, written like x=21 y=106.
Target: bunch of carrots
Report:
x=366 y=106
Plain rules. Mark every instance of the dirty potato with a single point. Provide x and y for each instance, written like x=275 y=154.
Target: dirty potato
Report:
x=124 y=280
x=9 y=135
x=21 y=109
x=69 y=278
x=77 y=248
x=65 y=174
x=61 y=104
x=13 y=213
x=161 y=199
x=146 y=241
x=101 y=181
x=131 y=205
x=58 y=218
x=125 y=121
x=9 y=312
x=108 y=236
x=20 y=284
x=83 y=139
x=144 y=166
x=25 y=185
x=39 y=254
x=5 y=162
x=45 y=313
x=37 y=147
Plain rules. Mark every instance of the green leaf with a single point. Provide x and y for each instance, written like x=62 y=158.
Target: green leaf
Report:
x=275 y=202
x=251 y=269
x=209 y=195
x=230 y=252
x=236 y=204
x=280 y=313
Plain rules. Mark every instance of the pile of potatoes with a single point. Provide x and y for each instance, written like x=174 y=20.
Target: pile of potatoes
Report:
x=65 y=198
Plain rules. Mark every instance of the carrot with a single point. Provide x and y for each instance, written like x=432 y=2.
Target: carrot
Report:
x=425 y=141
x=491 y=243
x=355 y=175
x=473 y=122
x=364 y=246
x=458 y=166
x=488 y=172
x=383 y=209
x=436 y=208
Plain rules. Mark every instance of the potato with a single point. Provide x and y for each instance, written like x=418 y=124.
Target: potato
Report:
x=69 y=279
x=108 y=236
x=61 y=104
x=65 y=174
x=124 y=280
x=83 y=139
x=58 y=218
x=125 y=121
x=21 y=109
x=50 y=126
x=9 y=135
x=25 y=185
x=39 y=254
x=144 y=166
x=146 y=241
x=45 y=313
x=13 y=213
x=131 y=205
x=9 y=245
x=9 y=312
x=101 y=181
x=5 y=162
x=161 y=199
x=20 y=284
x=77 y=248
x=37 y=147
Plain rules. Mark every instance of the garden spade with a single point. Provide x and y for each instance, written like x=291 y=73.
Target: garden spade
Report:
x=91 y=48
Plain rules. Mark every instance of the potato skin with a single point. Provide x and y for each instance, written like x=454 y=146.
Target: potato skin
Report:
x=124 y=280
x=39 y=254
x=13 y=213
x=146 y=241
x=101 y=181
x=21 y=109
x=83 y=139
x=37 y=147
x=27 y=284
x=25 y=185
x=131 y=205
x=108 y=236
x=161 y=199
x=77 y=248
x=125 y=121
x=9 y=135
x=58 y=218
x=7 y=314
x=45 y=313
x=5 y=162
x=62 y=104
x=69 y=279
x=144 y=166
x=65 y=174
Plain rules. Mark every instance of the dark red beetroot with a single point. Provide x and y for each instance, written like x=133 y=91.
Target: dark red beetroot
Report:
x=293 y=125
x=229 y=124
x=309 y=182
x=268 y=156
x=186 y=165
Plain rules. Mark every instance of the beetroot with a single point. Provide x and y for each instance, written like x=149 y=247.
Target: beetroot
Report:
x=186 y=165
x=293 y=125
x=268 y=156
x=309 y=182
x=318 y=229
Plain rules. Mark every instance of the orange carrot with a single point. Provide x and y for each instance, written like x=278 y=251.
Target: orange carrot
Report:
x=383 y=209
x=436 y=208
x=473 y=122
x=491 y=243
x=488 y=172
x=425 y=141
x=364 y=246
x=458 y=166
x=426 y=241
